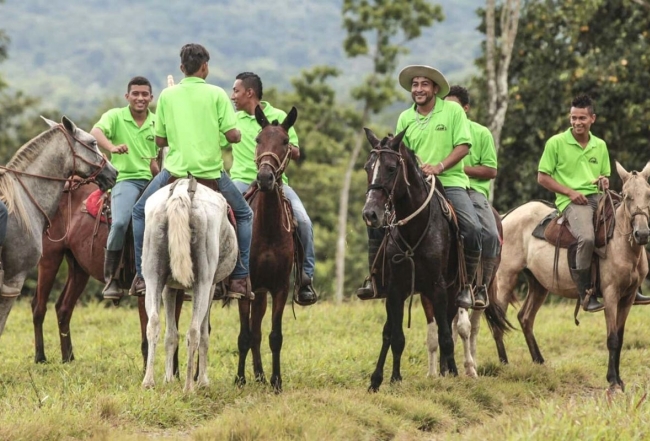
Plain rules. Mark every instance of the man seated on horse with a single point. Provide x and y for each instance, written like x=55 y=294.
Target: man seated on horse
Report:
x=573 y=166
x=481 y=167
x=438 y=132
x=246 y=95
x=191 y=115
x=128 y=134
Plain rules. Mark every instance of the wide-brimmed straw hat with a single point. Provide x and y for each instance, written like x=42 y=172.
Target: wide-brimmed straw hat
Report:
x=409 y=72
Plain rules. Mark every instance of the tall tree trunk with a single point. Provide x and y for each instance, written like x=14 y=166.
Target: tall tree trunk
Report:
x=343 y=210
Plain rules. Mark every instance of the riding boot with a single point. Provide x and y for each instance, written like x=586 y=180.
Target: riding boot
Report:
x=367 y=291
x=465 y=298
x=306 y=294
x=138 y=287
x=6 y=291
x=112 y=290
x=481 y=300
x=240 y=288
x=640 y=299
x=582 y=279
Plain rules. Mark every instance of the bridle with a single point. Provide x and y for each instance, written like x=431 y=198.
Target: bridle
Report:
x=277 y=170
x=72 y=181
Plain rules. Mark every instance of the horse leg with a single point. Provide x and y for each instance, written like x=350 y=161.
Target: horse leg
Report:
x=464 y=329
x=506 y=280
x=244 y=339
x=275 y=337
x=445 y=310
x=153 y=297
x=204 y=343
x=47 y=269
x=171 y=332
x=6 y=303
x=200 y=309
x=432 y=337
x=258 y=310
x=74 y=287
x=377 y=376
x=142 y=312
x=180 y=298
x=397 y=340
x=615 y=318
x=475 y=320
x=526 y=316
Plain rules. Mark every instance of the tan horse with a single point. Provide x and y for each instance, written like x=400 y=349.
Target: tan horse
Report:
x=622 y=272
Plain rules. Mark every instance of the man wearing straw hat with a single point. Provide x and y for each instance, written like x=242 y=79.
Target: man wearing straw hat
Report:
x=438 y=132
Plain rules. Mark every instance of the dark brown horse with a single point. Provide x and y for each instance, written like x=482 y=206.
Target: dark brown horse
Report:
x=272 y=249
x=82 y=245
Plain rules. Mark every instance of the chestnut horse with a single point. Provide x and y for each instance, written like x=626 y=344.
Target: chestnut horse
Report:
x=621 y=273
x=272 y=249
x=81 y=239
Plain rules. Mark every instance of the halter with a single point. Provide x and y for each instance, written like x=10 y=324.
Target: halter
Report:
x=281 y=164
x=73 y=183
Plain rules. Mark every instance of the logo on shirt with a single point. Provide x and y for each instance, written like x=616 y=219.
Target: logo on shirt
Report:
x=150 y=138
x=593 y=160
x=441 y=127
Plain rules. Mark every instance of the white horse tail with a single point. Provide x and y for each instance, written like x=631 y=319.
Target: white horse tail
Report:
x=179 y=208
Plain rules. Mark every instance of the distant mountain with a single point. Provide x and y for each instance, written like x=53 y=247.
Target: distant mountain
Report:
x=74 y=55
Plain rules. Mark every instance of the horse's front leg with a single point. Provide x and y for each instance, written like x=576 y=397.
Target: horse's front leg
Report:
x=463 y=327
x=244 y=339
x=171 y=332
x=275 y=337
x=615 y=321
x=77 y=280
x=258 y=310
x=377 y=376
x=444 y=310
x=47 y=269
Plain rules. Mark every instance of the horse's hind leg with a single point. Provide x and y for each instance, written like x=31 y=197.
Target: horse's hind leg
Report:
x=152 y=303
x=200 y=309
x=74 y=287
x=534 y=300
x=504 y=286
x=258 y=310
x=202 y=373
x=276 y=338
x=171 y=332
x=615 y=319
x=432 y=339
x=244 y=340
x=397 y=339
x=464 y=329
x=475 y=320
x=47 y=269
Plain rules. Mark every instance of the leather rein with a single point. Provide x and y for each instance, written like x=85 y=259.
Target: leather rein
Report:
x=72 y=181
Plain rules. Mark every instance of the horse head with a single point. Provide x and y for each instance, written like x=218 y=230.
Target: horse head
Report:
x=87 y=160
x=273 y=151
x=636 y=201
x=384 y=166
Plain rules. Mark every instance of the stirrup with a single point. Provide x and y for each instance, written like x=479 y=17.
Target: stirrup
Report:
x=9 y=291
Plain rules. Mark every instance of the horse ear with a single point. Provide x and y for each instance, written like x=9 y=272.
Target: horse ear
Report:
x=624 y=174
x=260 y=117
x=397 y=140
x=290 y=120
x=372 y=139
x=68 y=124
x=49 y=122
x=646 y=171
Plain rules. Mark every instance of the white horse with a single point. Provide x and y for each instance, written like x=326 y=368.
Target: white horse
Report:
x=31 y=186
x=191 y=241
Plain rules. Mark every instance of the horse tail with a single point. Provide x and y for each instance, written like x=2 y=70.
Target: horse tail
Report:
x=494 y=313
x=179 y=208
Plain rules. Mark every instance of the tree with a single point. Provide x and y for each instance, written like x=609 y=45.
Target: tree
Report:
x=383 y=21
x=497 y=67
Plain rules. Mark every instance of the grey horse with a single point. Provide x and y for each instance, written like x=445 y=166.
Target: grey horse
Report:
x=31 y=186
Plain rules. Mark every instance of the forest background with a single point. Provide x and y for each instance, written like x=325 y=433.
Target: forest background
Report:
x=63 y=58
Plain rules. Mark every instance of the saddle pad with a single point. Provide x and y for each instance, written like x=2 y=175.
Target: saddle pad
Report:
x=94 y=203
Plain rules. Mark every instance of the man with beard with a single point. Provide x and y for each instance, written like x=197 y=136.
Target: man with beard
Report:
x=128 y=134
x=438 y=132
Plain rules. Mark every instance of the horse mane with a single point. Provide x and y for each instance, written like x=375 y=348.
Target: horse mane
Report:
x=19 y=162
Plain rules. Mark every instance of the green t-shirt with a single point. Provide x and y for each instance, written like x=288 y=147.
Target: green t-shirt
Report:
x=434 y=140
x=483 y=152
x=243 y=154
x=119 y=127
x=191 y=115
x=568 y=163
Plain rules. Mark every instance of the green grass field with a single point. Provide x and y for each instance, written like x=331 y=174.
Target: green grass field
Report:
x=329 y=353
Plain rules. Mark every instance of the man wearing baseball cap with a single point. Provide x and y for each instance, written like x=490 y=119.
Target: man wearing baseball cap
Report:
x=438 y=132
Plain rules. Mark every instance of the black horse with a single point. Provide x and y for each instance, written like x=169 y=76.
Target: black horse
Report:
x=419 y=252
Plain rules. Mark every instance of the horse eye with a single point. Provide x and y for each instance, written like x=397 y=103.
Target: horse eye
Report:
x=286 y=141
x=257 y=140
x=391 y=168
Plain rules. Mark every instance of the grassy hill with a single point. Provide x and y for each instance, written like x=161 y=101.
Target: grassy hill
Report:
x=73 y=55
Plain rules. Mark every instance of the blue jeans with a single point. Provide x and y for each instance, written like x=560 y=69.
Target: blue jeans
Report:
x=4 y=214
x=235 y=199
x=305 y=229
x=489 y=233
x=124 y=195
x=468 y=221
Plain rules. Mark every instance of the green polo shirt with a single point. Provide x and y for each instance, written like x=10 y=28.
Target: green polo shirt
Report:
x=483 y=152
x=119 y=127
x=434 y=140
x=243 y=154
x=568 y=163
x=191 y=115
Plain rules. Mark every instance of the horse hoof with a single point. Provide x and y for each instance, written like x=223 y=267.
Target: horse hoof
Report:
x=240 y=381
x=373 y=389
x=614 y=389
x=147 y=384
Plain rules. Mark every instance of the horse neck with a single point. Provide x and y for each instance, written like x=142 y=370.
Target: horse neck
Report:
x=414 y=197
x=622 y=242
x=269 y=218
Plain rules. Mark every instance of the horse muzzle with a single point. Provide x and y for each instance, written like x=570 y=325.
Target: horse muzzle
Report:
x=641 y=236
x=265 y=181
x=374 y=218
x=107 y=177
